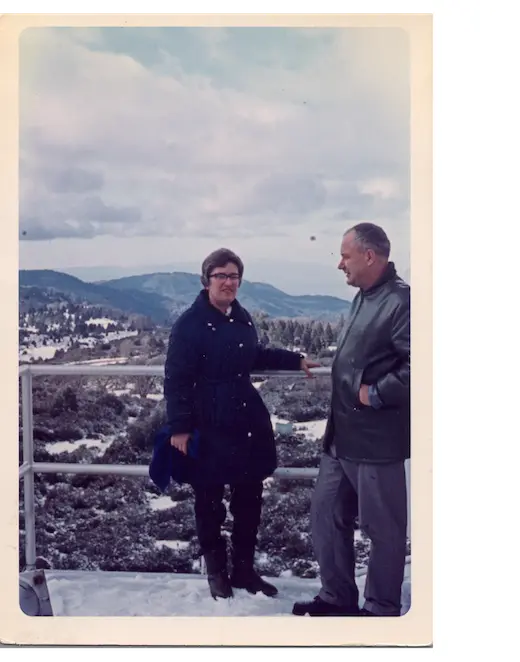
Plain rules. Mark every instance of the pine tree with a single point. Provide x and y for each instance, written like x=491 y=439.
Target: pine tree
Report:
x=306 y=339
x=329 y=335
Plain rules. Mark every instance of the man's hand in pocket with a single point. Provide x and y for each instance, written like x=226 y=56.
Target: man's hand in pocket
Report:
x=363 y=395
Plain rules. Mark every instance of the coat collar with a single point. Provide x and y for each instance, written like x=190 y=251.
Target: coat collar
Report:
x=216 y=316
x=388 y=274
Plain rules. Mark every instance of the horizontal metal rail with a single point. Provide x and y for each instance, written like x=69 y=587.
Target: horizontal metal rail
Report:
x=282 y=473
x=137 y=370
x=29 y=467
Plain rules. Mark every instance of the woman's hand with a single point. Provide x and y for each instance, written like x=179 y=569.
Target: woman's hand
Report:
x=180 y=442
x=307 y=365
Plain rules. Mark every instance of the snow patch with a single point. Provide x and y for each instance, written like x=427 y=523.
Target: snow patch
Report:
x=57 y=447
x=312 y=429
x=97 y=593
x=119 y=392
x=45 y=353
x=100 y=321
x=161 y=502
x=104 y=361
x=173 y=544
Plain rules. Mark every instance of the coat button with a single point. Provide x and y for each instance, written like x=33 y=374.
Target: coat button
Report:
x=245 y=404
x=249 y=434
x=231 y=319
x=241 y=345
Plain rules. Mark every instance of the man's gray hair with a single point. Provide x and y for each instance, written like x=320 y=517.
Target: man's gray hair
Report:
x=371 y=236
x=220 y=258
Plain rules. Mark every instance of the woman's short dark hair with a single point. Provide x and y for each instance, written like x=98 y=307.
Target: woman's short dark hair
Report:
x=220 y=258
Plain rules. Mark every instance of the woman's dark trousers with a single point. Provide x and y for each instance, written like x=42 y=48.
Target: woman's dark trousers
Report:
x=210 y=513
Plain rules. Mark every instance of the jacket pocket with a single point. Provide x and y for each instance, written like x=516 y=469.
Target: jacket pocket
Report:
x=356 y=385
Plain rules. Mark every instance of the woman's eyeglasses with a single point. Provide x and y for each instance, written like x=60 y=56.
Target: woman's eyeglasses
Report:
x=223 y=277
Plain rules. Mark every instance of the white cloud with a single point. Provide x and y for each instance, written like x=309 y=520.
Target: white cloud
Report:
x=112 y=148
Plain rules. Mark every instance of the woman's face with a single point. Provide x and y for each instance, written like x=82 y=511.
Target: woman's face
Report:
x=223 y=285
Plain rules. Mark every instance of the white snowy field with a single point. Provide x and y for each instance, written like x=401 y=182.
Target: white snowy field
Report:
x=56 y=447
x=44 y=352
x=173 y=544
x=101 y=321
x=77 y=593
x=107 y=361
x=310 y=429
x=33 y=348
x=162 y=502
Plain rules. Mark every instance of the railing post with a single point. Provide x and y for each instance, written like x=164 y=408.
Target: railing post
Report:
x=28 y=479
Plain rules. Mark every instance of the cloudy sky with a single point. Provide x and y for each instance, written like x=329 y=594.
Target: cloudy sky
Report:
x=146 y=148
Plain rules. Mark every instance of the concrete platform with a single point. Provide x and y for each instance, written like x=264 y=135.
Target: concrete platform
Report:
x=77 y=593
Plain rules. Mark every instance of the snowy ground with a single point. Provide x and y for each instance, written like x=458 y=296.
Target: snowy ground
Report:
x=56 y=447
x=44 y=352
x=28 y=353
x=111 y=361
x=76 y=593
x=101 y=321
x=173 y=544
x=311 y=429
x=160 y=502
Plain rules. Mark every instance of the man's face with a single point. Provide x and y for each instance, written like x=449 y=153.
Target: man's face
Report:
x=354 y=262
x=224 y=290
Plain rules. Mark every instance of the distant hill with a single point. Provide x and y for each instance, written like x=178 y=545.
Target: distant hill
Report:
x=42 y=281
x=180 y=287
x=161 y=295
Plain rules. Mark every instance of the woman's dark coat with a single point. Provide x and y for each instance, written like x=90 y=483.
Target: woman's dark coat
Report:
x=207 y=388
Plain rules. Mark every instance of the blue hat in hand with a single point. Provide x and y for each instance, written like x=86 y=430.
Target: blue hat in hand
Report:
x=168 y=463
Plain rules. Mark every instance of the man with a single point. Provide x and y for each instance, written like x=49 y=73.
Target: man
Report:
x=367 y=438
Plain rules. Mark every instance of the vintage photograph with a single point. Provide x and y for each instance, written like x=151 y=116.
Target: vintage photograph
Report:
x=215 y=291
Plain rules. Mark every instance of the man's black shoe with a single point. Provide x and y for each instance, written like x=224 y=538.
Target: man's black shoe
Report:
x=319 y=607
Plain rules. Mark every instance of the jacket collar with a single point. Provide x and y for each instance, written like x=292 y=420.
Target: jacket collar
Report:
x=214 y=315
x=388 y=274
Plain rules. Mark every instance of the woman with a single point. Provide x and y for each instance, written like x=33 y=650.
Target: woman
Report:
x=213 y=348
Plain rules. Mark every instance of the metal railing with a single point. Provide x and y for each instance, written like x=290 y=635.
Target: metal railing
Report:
x=29 y=467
